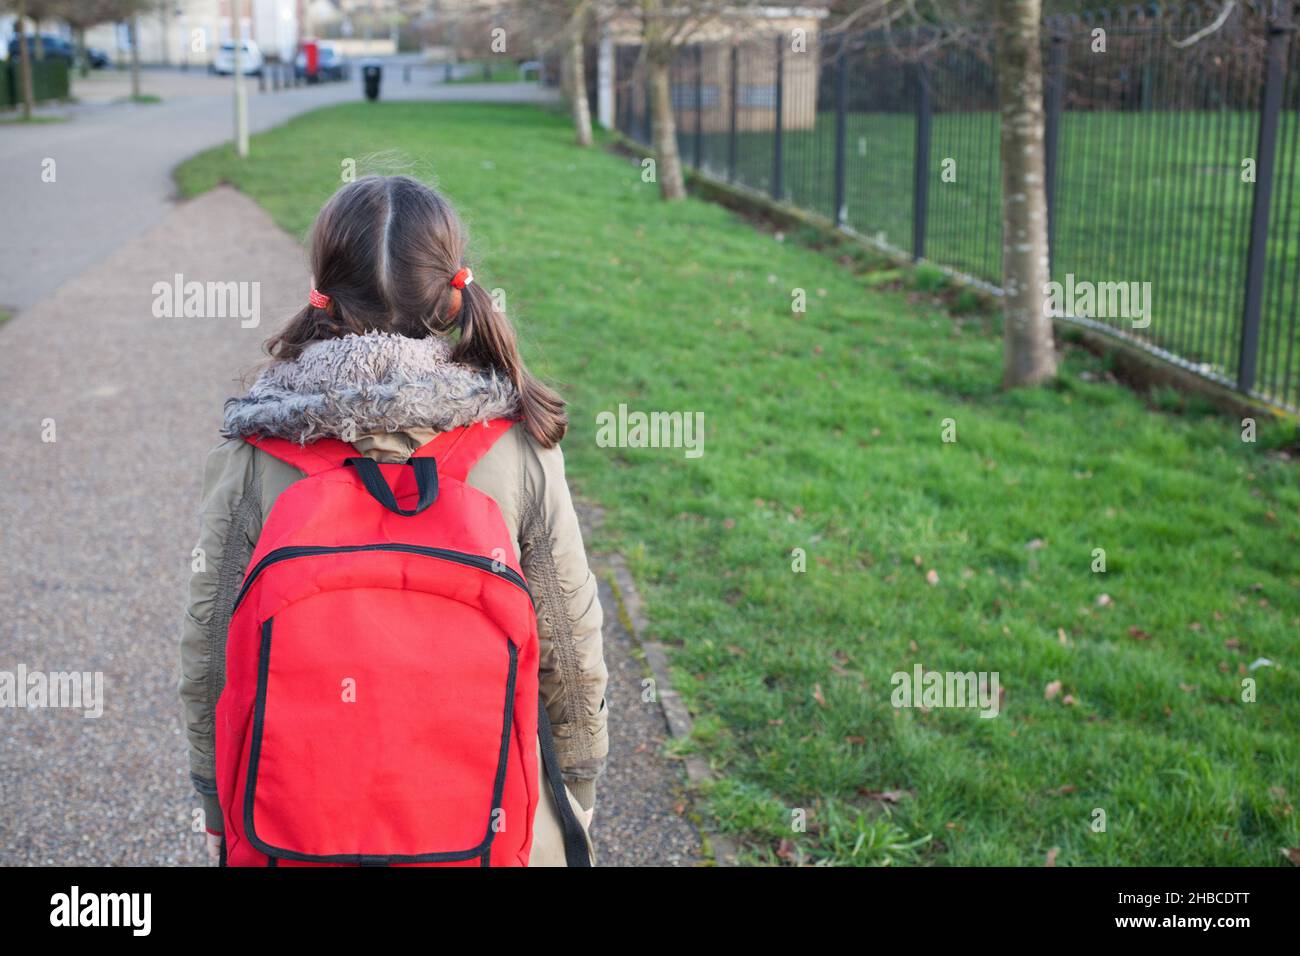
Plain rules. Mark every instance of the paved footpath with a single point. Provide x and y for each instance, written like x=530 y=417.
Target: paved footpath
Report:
x=113 y=164
x=96 y=526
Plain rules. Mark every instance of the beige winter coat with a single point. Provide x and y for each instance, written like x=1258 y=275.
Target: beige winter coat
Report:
x=391 y=395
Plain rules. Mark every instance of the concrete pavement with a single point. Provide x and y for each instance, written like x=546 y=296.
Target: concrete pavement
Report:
x=112 y=162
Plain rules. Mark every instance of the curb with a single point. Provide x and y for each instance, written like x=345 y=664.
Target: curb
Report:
x=676 y=715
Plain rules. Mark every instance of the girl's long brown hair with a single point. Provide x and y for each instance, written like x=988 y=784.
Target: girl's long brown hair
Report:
x=384 y=249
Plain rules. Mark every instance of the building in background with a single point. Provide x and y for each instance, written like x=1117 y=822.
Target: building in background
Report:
x=621 y=75
x=188 y=32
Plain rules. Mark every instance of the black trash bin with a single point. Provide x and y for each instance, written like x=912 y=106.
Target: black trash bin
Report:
x=371 y=73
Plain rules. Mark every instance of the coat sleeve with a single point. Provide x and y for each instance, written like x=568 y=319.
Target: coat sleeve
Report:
x=572 y=670
x=229 y=527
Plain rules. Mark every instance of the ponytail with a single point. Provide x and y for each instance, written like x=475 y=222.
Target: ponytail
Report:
x=488 y=341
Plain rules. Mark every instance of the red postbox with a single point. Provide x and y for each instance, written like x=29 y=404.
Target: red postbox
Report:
x=311 y=51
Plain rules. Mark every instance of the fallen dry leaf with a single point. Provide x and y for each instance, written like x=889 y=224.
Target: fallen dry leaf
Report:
x=1051 y=856
x=818 y=696
x=932 y=577
x=1292 y=854
x=886 y=796
x=1138 y=634
x=1051 y=690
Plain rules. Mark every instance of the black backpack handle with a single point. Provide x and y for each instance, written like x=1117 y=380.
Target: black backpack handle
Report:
x=426 y=482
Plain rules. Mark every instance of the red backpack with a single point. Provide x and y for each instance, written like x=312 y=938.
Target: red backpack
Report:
x=381 y=703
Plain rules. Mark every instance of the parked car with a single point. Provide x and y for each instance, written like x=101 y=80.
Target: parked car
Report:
x=55 y=47
x=330 y=65
x=250 y=59
x=98 y=59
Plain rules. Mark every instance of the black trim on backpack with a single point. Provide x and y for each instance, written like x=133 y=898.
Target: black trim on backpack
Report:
x=308 y=550
x=426 y=482
x=483 y=849
x=575 y=841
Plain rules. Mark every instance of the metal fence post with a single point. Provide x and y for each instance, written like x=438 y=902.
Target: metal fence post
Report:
x=699 y=105
x=735 y=97
x=1279 y=33
x=777 y=160
x=1055 y=93
x=841 y=132
x=921 y=166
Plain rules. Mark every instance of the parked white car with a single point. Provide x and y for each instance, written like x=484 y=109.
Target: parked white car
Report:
x=250 y=59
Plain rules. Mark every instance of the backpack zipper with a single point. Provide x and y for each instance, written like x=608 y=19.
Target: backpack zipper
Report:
x=459 y=557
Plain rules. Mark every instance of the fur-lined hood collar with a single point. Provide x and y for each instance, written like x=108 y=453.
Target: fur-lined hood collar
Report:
x=368 y=384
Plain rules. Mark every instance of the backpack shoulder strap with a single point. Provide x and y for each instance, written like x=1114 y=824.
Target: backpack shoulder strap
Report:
x=321 y=455
x=458 y=451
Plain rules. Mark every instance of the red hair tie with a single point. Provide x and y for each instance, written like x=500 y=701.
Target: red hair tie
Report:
x=462 y=278
x=319 y=299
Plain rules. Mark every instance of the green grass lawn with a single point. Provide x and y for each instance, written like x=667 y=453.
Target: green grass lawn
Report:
x=824 y=433
x=499 y=70
x=1152 y=197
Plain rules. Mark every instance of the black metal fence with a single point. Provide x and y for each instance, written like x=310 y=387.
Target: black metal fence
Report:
x=1171 y=173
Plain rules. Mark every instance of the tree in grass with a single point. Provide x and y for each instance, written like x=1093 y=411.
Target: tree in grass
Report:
x=19 y=7
x=81 y=15
x=38 y=11
x=128 y=12
x=575 y=35
x=667 y=25
x=563 y=24
x=1029 y=356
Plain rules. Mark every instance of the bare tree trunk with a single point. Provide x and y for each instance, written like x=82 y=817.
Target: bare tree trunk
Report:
x=668 y=164
x=25 y=62
x=241 y=92
x=83 y=61
x=135 y=56
x=578 y=73
x=163 y=24
x=1028 y=358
